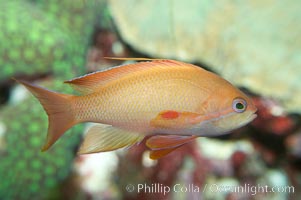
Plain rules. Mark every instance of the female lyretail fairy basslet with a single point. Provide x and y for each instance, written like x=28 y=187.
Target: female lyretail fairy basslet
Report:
x=171 y=101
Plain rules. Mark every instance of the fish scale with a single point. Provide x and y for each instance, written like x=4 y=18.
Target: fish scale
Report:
x=117 y=103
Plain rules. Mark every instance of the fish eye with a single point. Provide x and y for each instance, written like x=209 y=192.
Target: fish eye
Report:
x=239 y=105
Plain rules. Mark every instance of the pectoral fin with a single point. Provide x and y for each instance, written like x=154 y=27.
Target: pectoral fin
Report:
x=168 y=141
x=101 y=138
x=173 y=119
x=163 y=145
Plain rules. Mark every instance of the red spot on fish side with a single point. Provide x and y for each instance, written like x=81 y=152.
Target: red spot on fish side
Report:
x=170 y=115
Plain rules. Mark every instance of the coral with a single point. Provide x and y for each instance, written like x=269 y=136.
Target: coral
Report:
x=39 y=37
x=272 y=118
x=25 y=171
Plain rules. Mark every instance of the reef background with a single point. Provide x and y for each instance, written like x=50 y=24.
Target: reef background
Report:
x=254 y=45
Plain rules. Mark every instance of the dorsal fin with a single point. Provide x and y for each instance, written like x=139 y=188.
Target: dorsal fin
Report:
x=94 y=81
x=133 y=59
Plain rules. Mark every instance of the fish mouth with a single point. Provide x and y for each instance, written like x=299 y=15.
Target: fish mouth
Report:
x=253 y=114
x=252 y=117
x=249 y=119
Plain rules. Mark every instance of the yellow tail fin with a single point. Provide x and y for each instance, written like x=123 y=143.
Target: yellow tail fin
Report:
x=58 y=109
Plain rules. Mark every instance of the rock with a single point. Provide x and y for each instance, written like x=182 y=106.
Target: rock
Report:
x=254 y=44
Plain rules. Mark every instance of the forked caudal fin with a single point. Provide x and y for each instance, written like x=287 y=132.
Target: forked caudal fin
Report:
x=58 y=109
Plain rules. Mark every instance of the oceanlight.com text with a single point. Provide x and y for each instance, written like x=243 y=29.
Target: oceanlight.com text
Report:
x=214 y=188
x=247 y=188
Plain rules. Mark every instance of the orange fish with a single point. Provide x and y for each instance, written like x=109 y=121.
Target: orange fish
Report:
x=171 y=101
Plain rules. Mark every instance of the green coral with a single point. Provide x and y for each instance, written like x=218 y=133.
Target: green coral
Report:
x=25 y=171
x=39 y=37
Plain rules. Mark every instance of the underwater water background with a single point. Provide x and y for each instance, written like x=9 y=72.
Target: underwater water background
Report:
x=256 y=46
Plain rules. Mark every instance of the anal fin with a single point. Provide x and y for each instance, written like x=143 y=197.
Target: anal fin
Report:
x=102 y=138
